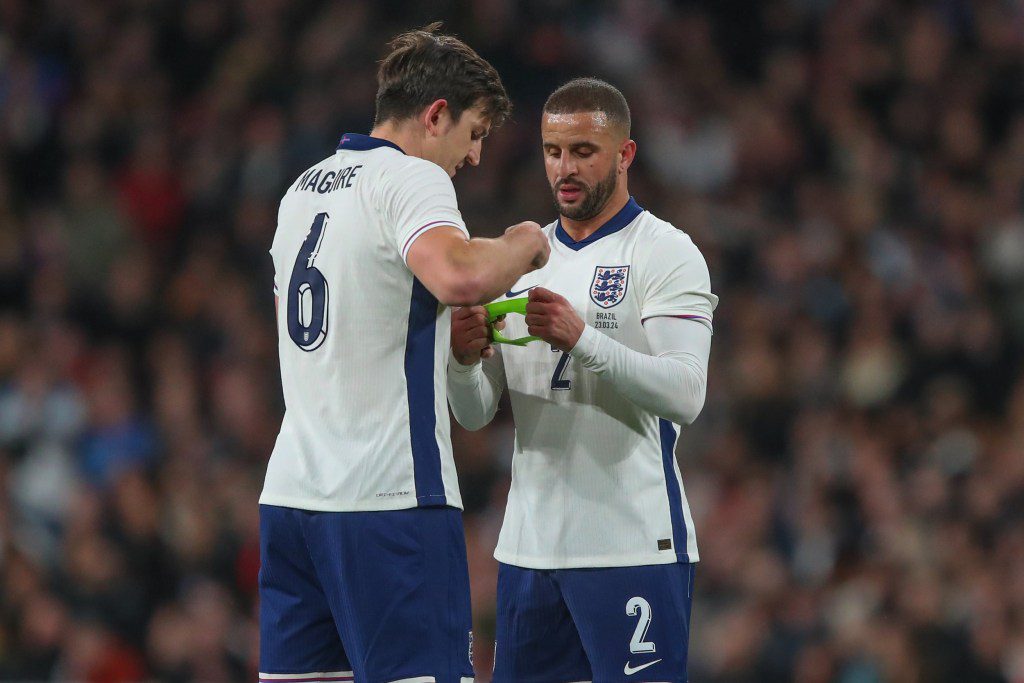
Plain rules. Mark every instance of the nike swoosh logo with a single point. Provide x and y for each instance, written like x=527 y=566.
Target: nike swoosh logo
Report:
x=510 y=294
x=630 y=670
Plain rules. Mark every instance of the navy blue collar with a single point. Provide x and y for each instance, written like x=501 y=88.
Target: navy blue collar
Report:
x=624 y=217
x=362 y=143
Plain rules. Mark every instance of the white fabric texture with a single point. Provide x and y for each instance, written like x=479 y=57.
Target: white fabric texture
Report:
x=595 y=482
x=366 y=420
x=671 y=383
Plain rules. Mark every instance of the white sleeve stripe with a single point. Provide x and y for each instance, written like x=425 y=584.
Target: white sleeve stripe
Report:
x=423 y=228
x=701 y=318
x=314 y=677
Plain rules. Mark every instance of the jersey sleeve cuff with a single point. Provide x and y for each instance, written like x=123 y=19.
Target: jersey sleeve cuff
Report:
x=587 y=345
x=424 y=229
x=459 y=371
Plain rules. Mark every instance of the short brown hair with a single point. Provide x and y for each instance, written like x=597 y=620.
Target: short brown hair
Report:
x=590 y=94
x=423 y=66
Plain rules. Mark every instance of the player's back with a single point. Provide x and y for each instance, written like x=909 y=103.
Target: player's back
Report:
x=362 y=342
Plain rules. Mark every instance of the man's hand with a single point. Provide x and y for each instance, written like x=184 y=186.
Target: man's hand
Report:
x=553 y=319
x=532 y=235
x=471 y=340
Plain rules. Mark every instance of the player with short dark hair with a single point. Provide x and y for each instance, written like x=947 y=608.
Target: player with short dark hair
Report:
x=424 y=66
x=597 y=547
x=592 y=94
x=363 y=561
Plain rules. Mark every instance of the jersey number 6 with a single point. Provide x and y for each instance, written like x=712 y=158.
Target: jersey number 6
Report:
x=307 y=292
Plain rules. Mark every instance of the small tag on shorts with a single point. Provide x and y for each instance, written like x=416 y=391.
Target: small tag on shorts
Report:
x=664 y=544
x=471 y=647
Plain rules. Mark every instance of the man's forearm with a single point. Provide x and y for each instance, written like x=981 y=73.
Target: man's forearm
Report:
x=671 y=385
x=498 y=263
x=474 y=391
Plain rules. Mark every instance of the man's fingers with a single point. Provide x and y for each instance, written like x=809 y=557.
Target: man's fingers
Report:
x=541 y=294
x=469 y=322
x=536 y=307
x=487 y=352
x=477 y=344
x=536 y=319
x=476 y=332
x=466 y=312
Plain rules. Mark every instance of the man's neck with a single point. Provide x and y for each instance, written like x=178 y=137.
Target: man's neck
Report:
x=403 y=136
x=581 y=230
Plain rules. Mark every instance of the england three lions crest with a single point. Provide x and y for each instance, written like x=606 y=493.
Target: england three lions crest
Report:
x=609 y=285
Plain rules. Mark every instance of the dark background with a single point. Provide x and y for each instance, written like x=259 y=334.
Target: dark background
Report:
x=852 y=170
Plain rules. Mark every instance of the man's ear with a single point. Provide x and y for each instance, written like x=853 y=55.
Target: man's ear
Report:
x=628 y=152
x=437 y=118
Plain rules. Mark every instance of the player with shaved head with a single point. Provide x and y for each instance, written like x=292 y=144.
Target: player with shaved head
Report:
x=597 y=548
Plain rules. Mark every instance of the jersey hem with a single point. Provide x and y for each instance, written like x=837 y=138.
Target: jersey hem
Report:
x=599 y=562
x=359 y=506
x=433 y=499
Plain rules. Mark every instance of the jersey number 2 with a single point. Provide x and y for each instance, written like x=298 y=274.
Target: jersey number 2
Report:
x=637 y=644
x=558 y=380
x=307 y=292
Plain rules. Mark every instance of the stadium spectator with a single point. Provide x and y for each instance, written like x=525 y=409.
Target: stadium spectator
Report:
x=853 y=172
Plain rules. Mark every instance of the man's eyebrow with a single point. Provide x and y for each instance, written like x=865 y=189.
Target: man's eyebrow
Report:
x=574 y=145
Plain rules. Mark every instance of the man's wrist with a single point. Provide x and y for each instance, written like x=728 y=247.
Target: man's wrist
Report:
x=587 y=344
x=455 y=366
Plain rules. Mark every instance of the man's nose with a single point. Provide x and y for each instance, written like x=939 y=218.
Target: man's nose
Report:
x=473 y=157
x=566 y=166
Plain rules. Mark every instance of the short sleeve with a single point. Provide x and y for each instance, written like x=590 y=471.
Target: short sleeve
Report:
x=273 y=257
x=675 y=280
x=417 y=198
x=274 y=262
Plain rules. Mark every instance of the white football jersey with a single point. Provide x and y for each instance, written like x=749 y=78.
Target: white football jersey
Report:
x=594 y=477
x=363 y=344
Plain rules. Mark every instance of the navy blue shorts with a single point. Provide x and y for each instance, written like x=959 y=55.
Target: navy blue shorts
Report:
x=370 y=597
x=601 y=625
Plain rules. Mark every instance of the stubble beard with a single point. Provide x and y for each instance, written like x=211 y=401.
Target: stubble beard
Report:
x=594 y=199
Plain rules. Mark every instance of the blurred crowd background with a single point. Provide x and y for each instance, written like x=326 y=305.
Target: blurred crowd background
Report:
x=852 y=170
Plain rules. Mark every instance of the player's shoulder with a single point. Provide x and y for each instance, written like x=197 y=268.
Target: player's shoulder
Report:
x=404 y=166
x=660 y=235
x=650 y=226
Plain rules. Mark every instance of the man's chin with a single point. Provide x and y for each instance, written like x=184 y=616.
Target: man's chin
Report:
x=573 y=212
x=569 y=209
